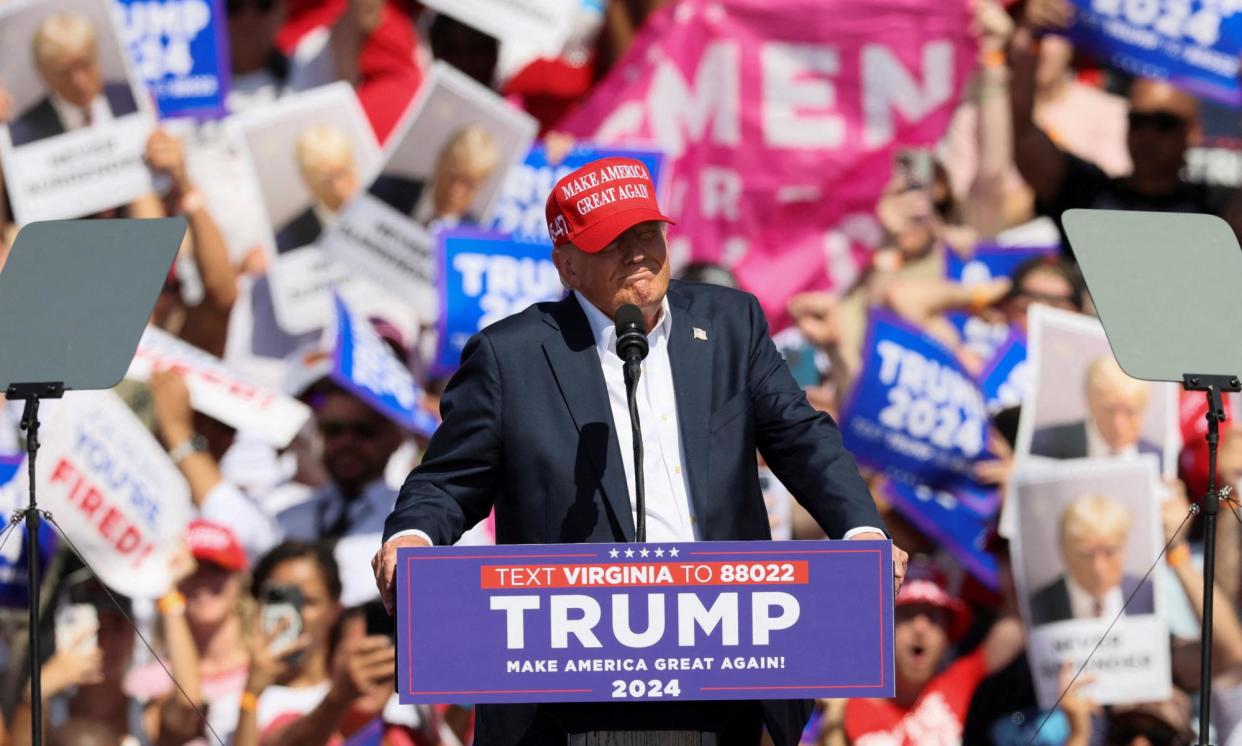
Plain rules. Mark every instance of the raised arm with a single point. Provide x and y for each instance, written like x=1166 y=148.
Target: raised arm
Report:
x=1041 y=163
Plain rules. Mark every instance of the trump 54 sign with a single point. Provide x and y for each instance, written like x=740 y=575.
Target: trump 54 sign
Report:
x=645 y=622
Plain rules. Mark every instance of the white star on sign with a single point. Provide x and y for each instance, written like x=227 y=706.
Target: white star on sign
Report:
x=672 y=552
x=613 y=553
x=659 y=552
x=644 y=553
x=629 y=553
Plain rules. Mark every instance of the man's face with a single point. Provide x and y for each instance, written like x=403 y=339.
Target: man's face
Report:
x=1095 y=561
x=632 y=269
x=456 y=183
x=332 y=180
x=357 y=442
x=1118 y=414
x=1163 y=124
x=73 y=75
x=920 y=639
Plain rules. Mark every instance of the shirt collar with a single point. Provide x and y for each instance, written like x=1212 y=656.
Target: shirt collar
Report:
x=605 y=329
x=71 y=116
x=1097 y=447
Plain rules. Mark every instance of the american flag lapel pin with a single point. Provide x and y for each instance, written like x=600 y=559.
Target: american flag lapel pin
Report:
x=700 y=334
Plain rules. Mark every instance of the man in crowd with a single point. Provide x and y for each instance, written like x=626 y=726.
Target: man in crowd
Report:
x=545 y=384
x=1163 y=124
x=326 y=165
x=1091 y=536
x=1116 y=410
x=932 y=699
x=66 y=56
x=465 y=163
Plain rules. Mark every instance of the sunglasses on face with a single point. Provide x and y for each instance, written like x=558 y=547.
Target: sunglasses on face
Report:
x=363 y=430
x=1163 y=122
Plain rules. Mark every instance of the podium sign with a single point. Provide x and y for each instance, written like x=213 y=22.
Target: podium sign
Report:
x=645 y=622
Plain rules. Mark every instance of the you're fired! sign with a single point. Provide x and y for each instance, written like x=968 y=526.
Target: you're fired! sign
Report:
x=643 y=622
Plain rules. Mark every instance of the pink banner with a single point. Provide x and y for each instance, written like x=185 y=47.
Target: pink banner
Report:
x=781 y=119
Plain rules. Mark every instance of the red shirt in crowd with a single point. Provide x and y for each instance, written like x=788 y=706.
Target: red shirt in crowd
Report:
x=935 y=718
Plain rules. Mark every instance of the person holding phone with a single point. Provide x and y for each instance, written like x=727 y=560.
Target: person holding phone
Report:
x=297 y=690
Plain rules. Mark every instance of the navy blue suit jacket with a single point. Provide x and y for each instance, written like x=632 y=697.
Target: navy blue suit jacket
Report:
x=528 y=429
x=41 y=121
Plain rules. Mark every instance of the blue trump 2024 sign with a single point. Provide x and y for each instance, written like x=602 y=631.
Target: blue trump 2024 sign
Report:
x=365 y=366
x=645 y=622
x=485 y=277
x=1193 y=44
x=915 y=412
x=180 y=48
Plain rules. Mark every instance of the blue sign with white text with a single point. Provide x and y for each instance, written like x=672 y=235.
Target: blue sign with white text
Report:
x=958 y=518
x=1006 y=380
x=520 y=209
x=915 y=413
x=1193 y=44
x=484 y=278
x=984 y=336
x=365 y=366
x=180 y=48
x=645 y=622
x=13 y=554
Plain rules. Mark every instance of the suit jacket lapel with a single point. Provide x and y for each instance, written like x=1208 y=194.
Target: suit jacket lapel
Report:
x=690 y=354
x=575 y=366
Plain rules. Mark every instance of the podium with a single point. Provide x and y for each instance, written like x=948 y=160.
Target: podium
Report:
x=569 y=626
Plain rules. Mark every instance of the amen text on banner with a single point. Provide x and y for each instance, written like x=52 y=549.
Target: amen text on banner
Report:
x=363 y=363
x=781 y=119
x=114 y=492
x=218 y=391
x=486 y=277
x=915 y=413
x=520 y=209
x=1193 y=44
x=180 y=48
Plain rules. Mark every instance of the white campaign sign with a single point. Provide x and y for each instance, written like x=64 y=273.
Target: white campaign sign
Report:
x=390 y=249
x=539 y=24
x=218 y=391
x=113 y=490
x=1128 y=666
x=302 y=282
x=78 y=173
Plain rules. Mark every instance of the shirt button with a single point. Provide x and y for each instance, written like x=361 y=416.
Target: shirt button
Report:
x=663 y=418
x=676 y=469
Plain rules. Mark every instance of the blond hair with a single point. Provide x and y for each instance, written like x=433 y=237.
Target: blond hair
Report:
x=472 y=145
x=62 y=34
x=319 y=143
x=1104 y=374
x=1093 y=515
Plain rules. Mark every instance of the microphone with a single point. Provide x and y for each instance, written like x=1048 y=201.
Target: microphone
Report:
x=631 y=335
x=632 y=347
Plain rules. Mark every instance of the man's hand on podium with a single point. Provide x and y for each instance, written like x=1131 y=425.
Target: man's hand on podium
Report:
x=900 y=558
x=384 y=563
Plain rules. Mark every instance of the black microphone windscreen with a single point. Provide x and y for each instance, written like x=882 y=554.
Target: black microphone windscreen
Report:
x=631 y=333
x=628 y=317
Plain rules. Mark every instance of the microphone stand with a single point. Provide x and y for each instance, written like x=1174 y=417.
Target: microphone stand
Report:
x=633 y=368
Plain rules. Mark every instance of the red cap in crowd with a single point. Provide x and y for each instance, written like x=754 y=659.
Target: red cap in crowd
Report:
x=593 y=205
x=925 y=584
x=214 y=543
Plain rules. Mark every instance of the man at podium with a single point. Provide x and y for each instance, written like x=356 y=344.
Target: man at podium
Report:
x=536 y=426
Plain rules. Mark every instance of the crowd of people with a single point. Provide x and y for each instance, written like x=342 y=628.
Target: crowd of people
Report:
x=1042 y=128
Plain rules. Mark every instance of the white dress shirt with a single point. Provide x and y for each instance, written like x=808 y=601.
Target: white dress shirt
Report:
x=670 y=512
x=74 y=117
x=1083 y=604
x=1097 y=447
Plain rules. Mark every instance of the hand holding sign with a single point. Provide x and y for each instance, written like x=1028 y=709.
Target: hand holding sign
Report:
x=900 y=558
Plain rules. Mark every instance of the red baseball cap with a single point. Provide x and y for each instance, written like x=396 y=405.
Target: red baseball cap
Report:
x=926 y=584
x=215 y=543
x=593 y=205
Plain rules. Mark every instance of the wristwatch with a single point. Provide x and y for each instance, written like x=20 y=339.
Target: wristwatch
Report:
x=195 y=444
